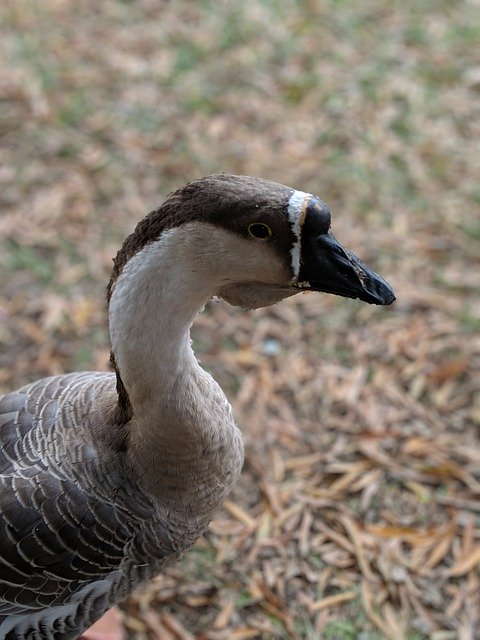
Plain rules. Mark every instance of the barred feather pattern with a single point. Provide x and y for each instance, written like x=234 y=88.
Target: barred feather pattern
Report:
x=75 y=527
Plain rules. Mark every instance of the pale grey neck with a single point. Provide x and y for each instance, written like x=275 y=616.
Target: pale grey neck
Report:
x=182 y=439
x=153 y=305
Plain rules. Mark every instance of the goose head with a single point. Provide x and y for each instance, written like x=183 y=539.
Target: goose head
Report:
x=254 y=242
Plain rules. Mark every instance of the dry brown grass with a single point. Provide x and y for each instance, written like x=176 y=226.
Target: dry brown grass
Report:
x=358 y=513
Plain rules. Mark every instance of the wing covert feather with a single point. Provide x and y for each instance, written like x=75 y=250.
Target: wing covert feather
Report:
x=68 y=517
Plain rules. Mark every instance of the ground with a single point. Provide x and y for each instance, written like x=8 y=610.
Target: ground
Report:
x=358 y=511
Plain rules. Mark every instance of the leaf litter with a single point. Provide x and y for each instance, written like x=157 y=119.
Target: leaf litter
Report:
x=360 y=498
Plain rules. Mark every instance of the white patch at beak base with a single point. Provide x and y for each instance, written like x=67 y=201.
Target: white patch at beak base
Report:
x=297 y=209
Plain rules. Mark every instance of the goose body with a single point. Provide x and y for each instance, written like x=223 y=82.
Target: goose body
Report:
x=105 y=477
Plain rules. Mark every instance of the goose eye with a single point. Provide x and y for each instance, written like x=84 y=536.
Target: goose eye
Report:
x=259 y=230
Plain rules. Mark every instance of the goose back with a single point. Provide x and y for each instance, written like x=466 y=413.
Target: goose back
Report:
x=75 y=527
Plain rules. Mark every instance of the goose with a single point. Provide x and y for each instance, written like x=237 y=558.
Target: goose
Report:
x=107 y=477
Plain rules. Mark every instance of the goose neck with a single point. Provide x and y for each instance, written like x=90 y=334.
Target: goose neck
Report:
x=152 y=307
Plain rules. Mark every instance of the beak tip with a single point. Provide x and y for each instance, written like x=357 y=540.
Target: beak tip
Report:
x=391 y=299
x=387 y=300
x=381 y=292
x=386 y=296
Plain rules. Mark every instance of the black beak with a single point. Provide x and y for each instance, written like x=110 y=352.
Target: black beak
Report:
x=327 y=266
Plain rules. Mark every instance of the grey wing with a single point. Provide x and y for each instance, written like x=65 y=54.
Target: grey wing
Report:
x=64 y=520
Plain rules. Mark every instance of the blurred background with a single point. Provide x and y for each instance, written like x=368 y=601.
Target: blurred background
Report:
x=358 y=512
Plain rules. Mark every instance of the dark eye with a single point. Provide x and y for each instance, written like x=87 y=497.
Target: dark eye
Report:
x=259 y=230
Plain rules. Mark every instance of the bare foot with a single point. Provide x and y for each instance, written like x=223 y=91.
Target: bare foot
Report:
x=109 y=627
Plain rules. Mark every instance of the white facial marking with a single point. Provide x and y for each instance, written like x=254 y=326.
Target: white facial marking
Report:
x=297 y=208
